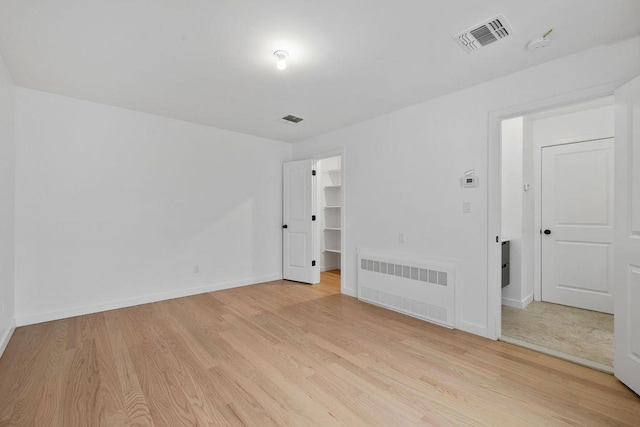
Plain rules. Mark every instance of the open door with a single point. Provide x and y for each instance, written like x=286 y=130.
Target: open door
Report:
x=299 y=234
x=627 y=235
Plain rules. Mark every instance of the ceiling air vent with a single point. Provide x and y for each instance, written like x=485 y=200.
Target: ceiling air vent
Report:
x=292 y=119
x=483 y=34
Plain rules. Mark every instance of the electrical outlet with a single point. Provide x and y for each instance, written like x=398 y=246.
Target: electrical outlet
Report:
x=466 y=207
x=196 y=269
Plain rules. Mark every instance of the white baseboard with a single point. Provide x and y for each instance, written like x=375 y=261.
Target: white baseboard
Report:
x=330 y=267
x=350 y=292
x=4 y=340
x=510 y=302
x=145 y=299
x=473 y=328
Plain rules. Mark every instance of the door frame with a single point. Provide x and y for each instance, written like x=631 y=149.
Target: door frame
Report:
x=494 y=188
x=343 y=265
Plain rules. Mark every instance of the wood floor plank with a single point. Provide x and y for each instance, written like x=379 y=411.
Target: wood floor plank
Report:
x=283 y=353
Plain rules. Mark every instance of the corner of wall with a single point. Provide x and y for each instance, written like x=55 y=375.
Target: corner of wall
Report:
x=6 y=337
x=7 y=209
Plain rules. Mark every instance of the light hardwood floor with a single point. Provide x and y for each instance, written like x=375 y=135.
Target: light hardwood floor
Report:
x=283 y=353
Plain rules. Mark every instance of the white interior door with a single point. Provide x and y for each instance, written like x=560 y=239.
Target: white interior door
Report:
x=627 y=236
x=299 y=237
x=577 y=221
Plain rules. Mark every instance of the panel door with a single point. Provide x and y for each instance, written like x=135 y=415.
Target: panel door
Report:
x=300 y=247
x=577 y=221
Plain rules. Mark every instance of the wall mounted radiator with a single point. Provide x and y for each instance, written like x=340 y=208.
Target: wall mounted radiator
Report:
x=408 y=284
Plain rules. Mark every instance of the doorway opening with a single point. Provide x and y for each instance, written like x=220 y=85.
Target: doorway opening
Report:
x=330 y=218
x=557 y=232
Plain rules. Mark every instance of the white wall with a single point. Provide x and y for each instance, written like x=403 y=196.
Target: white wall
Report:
x=593 y=120
x=116 y=207
x=512 y=202
x=7 y=173
x=402 y=170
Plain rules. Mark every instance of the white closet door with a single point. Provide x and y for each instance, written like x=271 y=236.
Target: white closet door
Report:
x=300 y=246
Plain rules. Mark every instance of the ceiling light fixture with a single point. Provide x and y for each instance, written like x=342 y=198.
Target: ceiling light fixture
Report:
x=282 y=56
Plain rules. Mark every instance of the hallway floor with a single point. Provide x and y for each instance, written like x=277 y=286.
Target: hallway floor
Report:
x=582 y=336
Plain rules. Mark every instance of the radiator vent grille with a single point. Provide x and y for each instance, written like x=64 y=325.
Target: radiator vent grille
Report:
x=408 y=284
x=405 y=271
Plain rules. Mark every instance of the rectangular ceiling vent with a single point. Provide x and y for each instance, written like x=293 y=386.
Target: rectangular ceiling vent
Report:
x=292 y=119
x=483 y=34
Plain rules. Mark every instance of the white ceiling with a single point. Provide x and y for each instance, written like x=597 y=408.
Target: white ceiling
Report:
x=211 y=61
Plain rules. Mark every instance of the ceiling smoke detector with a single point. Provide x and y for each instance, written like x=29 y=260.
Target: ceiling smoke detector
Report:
x=292 y=119
x=483 y=34
x=540 y=42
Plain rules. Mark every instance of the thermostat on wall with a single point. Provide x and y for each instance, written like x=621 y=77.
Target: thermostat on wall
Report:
x=469 y=179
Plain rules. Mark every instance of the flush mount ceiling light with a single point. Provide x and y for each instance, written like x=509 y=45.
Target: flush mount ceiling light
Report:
x=282 y=56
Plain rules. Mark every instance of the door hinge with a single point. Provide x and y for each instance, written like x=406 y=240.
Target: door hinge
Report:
x=497 y=239
x=313 y=217
x=313 y=263
x=313 y=173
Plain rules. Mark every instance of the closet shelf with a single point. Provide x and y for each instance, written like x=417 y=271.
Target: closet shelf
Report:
x=333 y=171
x=332 y=207
x=335 y=251
x=332 y=186
x=333 y=229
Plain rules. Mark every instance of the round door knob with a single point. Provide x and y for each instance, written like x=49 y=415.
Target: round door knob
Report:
x=547 y=232
x=285 y=226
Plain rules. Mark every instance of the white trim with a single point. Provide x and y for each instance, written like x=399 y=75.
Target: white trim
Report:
x=4 y=341
x=350 y=292
x=511 y=302
x=494 y=190
x=343 y=224
x=531 y=236
x=145 y=299
x=473 y=328
x=331 y=267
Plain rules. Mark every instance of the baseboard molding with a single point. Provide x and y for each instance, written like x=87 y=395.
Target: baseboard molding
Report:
x=330 y=267
x=4 y=340
x=350 y=292
x=510 y=302
x=569 y=358
x=473 y=328
x=145 y=299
